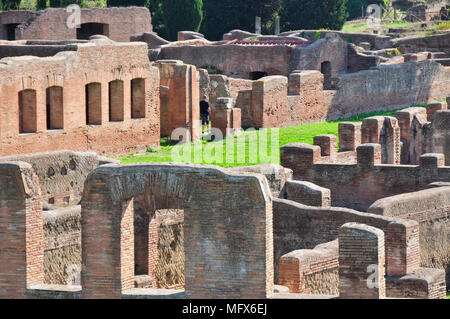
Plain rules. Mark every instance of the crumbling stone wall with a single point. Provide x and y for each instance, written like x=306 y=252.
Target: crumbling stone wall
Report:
x=179 y=98
x=211 y=251
x=360 y=185
x=431 y=208
x=61 y=174
x=29 y=131
x=51 y=24
x=239 y=60
x=434 y=43
x=388 y=87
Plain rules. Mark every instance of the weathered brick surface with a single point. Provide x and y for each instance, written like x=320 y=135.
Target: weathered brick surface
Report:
x=440 y=139
x=360 y=248
x=423 y=283
x=73 y=71
x=405 y=119
x=180 y=101
x=359 y=186
x=22 y=245
x=214 y=253
x=349 y=136
x=311 y=271
x=320 y=225
x=61 y=173
x=51 y=24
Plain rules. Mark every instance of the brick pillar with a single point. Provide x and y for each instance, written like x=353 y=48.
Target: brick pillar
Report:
x=402 y=247
x=433 y=108
x=390 y=141
x=107 y=243
x=222 y=117
x=94 y=104
x=237 y=120
x=21 y=230
x=440 y=134
x=371 y=129
x=369 y=155
x=418 y=143
x=299 y=157
x=328 y=145
x=55 y=97
x=294 y=83
x=361 y=262
x=349 y=136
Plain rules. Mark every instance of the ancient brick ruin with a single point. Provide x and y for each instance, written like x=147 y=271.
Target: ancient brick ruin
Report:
x=50 y=24
x=361 y=215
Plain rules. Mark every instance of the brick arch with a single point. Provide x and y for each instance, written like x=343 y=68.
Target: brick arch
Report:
x=227 y=229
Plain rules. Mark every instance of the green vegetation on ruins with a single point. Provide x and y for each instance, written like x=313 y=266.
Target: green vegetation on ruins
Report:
x=303 y=133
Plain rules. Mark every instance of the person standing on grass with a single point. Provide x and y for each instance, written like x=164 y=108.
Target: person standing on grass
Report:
x=205 y=109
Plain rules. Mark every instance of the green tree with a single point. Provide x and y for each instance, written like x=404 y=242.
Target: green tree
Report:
x=65 y=3
x=127 y=3
x=313 y=14
x=222 y=16
x=41 y=4
x=181 y=15
x=155 y=7
x=357 y=8
x=10 y=4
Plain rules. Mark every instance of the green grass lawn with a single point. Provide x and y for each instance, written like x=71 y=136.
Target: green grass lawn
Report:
x=225 y=153
x=448 y=294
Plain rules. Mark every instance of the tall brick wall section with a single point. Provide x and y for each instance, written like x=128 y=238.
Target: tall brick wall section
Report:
x=181 y=108
x=242 y=259
x=383 y=130
x=274 y=101
x=359 y=185
x=435 y=43
x=405 y=121
x=73 y=71
x=319 y=225
x=361 y=256
x=22 y=245
x=51 y=24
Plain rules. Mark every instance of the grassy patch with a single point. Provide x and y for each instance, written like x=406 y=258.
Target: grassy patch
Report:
x=230 y=151
x=355 y=27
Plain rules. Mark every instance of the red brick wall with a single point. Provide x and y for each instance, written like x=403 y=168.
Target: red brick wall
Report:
x=359 y=185
x=51 y=24
x=181 y=101
x=235 y=250
x=361 y=247
x=21 y=229
x=72 y=71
